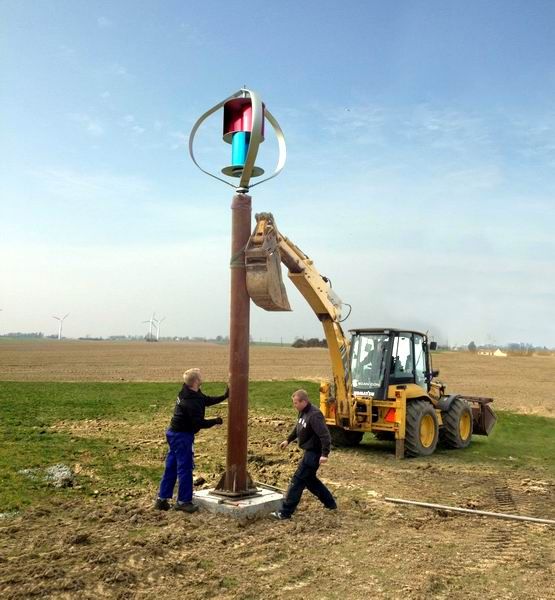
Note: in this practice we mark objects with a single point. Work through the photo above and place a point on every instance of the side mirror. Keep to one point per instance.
(433, 346)
(435, 373)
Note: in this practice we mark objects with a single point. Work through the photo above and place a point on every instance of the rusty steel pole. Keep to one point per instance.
(236, 481)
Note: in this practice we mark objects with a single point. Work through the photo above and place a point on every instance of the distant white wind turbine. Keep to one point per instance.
(152, 320)
(157, 323)
(61, 319)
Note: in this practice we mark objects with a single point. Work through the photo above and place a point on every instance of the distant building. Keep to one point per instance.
(497, 352)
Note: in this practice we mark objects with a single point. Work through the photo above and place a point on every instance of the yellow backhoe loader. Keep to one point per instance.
(383, 379)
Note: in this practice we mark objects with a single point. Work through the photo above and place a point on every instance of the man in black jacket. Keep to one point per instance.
(188, 419)
(314, 438)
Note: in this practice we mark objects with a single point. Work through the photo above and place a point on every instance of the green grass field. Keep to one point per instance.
(29, 411)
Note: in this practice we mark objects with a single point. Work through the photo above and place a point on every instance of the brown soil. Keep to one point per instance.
(112, 545)
(523, 384)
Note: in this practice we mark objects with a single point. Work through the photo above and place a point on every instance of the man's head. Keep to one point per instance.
(192, 378)
(300, 399)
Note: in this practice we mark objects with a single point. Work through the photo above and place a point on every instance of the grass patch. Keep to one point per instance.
(29, 410)
(517, 441)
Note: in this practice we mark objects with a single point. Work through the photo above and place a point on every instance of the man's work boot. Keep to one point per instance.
(279, 516)
(187, 507)
(162, 504)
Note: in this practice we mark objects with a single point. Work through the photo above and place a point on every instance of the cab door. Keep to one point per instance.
(420, 363)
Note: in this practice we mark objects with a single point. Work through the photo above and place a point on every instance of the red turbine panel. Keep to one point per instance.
(238, 117)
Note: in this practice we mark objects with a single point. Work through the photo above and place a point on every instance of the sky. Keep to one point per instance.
(420, 173)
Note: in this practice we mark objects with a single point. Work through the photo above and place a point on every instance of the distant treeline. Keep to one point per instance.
(19, 334)
(515, 349)
(310, 343)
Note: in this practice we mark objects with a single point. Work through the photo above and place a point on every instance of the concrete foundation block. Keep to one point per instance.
(252, 507)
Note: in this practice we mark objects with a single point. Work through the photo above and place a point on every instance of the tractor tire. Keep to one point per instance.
(385, 436)
(457, 425)
(343, 438)
(422, 428)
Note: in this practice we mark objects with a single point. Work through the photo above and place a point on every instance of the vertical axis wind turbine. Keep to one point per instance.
(61, 319)
(244, 115)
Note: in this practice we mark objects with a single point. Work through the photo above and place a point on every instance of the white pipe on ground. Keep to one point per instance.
(483, 513)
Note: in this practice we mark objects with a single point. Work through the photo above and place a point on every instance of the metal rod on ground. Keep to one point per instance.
(483, 513)
(235, 481)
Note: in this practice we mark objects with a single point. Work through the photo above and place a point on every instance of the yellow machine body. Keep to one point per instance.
(415, 415)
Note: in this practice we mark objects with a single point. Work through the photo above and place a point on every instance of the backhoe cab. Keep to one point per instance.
(383, 380)
(395, 396)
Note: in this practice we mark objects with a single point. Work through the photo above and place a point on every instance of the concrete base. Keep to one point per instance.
(253, 507)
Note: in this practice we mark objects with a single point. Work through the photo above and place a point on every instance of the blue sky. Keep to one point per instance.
(420, 173)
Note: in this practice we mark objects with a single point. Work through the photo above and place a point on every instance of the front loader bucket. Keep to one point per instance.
(263, 265)
(483, 416)
(484, 419)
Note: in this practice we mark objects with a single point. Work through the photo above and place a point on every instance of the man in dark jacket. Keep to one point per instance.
(188, 419)
(314, 438)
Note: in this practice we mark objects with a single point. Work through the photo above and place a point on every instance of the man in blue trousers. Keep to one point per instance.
(188, 419)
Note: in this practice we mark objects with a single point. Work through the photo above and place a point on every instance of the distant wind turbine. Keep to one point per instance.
(157, 322)
(61, 319)
(152, 320)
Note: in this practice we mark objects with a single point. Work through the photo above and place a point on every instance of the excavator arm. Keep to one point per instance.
(266, 249)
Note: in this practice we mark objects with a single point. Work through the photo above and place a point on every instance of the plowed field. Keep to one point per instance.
(521, 384)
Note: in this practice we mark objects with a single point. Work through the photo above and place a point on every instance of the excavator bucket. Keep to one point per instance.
(263, 265)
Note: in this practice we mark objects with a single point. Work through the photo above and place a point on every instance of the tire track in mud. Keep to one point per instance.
(505, 541)
(513, 542)
(497, 544)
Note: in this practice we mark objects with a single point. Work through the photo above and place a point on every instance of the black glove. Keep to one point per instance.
(219, 420)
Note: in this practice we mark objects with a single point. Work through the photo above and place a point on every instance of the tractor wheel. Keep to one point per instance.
(421, 431)
(457, 424)
(342, 437)
(385, 436)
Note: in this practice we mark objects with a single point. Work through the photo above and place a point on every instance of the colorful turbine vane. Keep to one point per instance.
(244, 117)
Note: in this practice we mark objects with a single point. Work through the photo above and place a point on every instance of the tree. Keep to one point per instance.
(472, 347)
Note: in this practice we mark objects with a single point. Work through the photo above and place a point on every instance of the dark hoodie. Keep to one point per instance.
(189, 410)
(311, 431)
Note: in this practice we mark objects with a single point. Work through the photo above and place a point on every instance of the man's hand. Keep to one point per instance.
(219, 420)
(284, 444)
(323, 460)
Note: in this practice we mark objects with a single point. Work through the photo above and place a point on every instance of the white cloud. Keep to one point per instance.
(92, 125)
(83, 187)
(119, 70)
(180, 140)
(104, 23)
(129, 122)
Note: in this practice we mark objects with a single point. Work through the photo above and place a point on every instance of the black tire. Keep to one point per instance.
(457, 425)
(385, 436)
(341, 437)
(422, 428)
